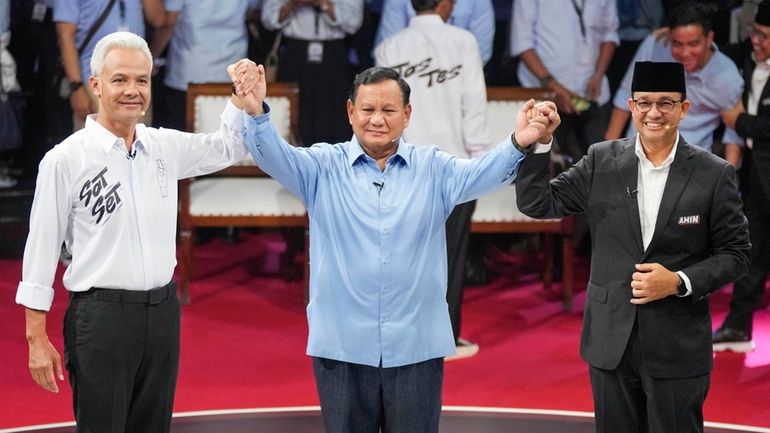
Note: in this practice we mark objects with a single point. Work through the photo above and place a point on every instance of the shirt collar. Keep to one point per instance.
(356, 152)
(426, 19)
(761, 65)
(106, 140)
(643, 158)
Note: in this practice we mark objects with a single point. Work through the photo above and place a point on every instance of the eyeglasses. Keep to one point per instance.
(756, 33)
(664, 106)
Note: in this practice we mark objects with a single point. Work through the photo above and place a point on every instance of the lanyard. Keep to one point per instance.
(579, 11)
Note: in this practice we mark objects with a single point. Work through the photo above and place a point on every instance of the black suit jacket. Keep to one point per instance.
(757, 127)
(700, 230)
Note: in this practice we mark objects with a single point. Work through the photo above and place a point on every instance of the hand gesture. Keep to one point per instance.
(536, 122)
(652, 281)
(250, 85)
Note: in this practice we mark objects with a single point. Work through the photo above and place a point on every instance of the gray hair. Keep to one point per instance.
(117, 40)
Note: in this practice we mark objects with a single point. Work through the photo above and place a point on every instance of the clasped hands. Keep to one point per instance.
(250, 85)
(536, 122)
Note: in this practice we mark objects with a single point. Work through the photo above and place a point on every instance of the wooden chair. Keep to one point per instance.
(497, 212)
(241, 195)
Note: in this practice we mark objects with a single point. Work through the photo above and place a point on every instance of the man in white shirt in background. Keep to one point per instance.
(443, 66)
(110, 192)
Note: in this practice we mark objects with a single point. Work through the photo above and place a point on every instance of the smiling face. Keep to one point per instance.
(123, 87)
(760, 42)
(378, 117)
(691, 47)
(656, 126)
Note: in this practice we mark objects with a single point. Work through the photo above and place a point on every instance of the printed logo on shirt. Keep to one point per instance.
(425, 70)
(102, 197)
(162, 177)
(690, 220)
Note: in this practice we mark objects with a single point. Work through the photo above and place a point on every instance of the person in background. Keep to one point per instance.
(476, 16)
(204, 37)
(314, 54)
(442, 65)
(75, 19)
(714, 84)
(110, 192)
(668, 230)
(379, 326)
(753, 124)
(566, 47)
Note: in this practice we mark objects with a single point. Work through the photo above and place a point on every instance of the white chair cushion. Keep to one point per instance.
(237, 196)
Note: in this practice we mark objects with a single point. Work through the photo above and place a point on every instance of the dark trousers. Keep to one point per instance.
(169, 107)
(323, 89)
(362, 399)
(458, 232)
(748, 291)
(578, 131)
(628, 400)
(121, 350)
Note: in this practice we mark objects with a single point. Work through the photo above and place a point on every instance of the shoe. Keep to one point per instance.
(464, 349)
(732, 339)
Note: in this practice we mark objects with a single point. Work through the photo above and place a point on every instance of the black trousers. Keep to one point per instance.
(748, 291)
(121, 350)
(323, 89)
(628, 400)
(458, 233)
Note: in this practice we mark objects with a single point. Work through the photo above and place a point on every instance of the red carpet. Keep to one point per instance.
(243, 344)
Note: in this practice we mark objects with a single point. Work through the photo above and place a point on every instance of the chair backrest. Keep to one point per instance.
(205, 102)
(503, 103)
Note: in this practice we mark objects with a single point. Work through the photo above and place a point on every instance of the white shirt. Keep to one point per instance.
(651, 182)
(758, 81)
(306, 23)
(443, 67)
(116, 214)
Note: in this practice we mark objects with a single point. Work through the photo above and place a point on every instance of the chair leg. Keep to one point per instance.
(568, 274)
(548, 255)
(186, 265)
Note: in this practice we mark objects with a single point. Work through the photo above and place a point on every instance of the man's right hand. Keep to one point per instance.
(250, 83)
(44, 361)
(81, 103)
(535, 122)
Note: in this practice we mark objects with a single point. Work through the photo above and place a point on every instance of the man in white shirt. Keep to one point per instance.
(110, 192)
(443, 67)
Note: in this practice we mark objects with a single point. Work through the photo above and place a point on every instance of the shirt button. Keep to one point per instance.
(387, 260)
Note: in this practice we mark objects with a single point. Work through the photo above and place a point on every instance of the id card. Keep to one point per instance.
(315, 52)
(38, 12)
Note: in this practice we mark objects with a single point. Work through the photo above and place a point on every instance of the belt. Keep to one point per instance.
(120, 296)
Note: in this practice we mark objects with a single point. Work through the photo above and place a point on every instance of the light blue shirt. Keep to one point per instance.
(552, 29)
(5, 16)
(714, 88)
(84, 14)
(208, 36)
(476, 16)
(378, 271)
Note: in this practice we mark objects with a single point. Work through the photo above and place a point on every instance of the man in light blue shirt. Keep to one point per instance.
(714, 84)
(203, 37)
(74, 20)
(566, 46)
(476, 16)
(378, 318)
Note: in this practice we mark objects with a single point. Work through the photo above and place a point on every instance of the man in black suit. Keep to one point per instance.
(667, 229)
(753, 58)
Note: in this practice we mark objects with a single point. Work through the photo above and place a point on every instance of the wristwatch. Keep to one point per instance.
(545, 81)
(74, 85)
(681, 289)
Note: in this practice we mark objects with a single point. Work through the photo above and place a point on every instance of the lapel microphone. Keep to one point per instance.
(630, 192)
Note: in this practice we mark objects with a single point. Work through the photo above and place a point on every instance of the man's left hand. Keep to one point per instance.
(652, 281)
